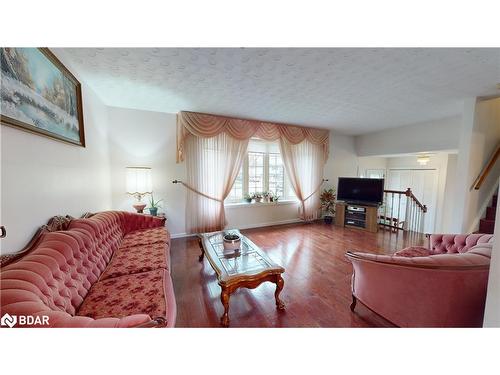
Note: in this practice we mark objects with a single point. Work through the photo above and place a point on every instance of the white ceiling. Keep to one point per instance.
(352, 90)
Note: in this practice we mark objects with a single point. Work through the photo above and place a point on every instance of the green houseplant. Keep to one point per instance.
(273, 197)
(327, 198)
(257, 197)
(267, 196)
(154, 205)
(247, 198)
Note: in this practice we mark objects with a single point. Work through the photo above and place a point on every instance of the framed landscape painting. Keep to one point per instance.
(38, 94)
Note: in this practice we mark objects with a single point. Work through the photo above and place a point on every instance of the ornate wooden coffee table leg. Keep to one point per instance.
(224, 297)
(353, 304)
(200, 243)
(280, 283)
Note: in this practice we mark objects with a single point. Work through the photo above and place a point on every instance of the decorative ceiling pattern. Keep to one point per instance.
(351, 90)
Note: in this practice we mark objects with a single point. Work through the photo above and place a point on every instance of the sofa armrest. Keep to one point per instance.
(155, 323)
(44, 318)
(133, 221)
(468, 261)
(447, 290)
(62, 319)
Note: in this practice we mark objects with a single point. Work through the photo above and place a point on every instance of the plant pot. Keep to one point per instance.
(258, 200)
(153, 211)
(328, 219)
(231, 242)
(248, 200)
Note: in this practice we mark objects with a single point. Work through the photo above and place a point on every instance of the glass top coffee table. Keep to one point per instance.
(247, 267)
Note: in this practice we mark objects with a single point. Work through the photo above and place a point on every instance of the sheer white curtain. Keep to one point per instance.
(304, 164)
(212, 166)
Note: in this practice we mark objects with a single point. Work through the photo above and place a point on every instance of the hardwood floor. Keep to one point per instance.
(317, 278)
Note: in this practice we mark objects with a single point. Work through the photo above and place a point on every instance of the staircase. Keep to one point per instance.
(487, 225)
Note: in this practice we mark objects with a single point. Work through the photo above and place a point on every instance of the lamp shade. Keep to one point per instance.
(139, 180)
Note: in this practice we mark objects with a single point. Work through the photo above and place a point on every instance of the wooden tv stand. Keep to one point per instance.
(357, 216)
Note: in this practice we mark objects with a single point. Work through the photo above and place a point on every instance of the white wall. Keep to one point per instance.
(257, 215)
(371, 162)
(485, 138)
(42, 177)
(449, 195)
(144, 138)
(439, 135)
(480, 135)
(342, 161)
(492, 309)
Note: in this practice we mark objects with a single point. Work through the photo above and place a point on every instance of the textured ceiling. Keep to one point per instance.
(352, 90)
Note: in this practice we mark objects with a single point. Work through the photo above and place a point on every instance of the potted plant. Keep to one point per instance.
(257, 197)
(154, 205)
(273, 198)
(247, 198)
(327, 199)
(267, 196)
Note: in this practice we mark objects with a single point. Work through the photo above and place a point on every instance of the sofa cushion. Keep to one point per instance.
(145, 237)
(141, 293)
(413, 251)
(483, 249)
(138, 259)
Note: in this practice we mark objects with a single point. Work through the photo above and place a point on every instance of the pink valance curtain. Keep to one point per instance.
(206, 126)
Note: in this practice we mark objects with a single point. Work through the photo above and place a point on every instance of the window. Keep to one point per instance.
(255, 172)
(262, 171)
(237, 190)
(276, 175)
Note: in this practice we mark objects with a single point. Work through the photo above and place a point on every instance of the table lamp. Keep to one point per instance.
(139, 183)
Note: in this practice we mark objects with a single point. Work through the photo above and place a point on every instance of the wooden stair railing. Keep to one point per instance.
(402, 211)
(487, 168)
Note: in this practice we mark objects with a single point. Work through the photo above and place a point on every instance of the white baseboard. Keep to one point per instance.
(250, 226)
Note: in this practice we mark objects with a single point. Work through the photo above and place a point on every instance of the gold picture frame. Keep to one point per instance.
(40, 95)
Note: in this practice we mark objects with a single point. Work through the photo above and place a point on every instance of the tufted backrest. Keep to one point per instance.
(105, 228)
(56, 275)
(132, 221)
(457, 243)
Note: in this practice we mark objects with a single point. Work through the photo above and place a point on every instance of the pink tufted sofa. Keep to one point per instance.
(109, 270)
(442, 285)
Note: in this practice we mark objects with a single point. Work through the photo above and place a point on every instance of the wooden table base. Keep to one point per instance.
(226, 292)
(249, 283)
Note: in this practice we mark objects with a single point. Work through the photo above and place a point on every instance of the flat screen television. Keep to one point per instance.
(361, 190)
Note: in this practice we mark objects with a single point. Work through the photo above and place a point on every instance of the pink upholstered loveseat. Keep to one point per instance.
(109, 270)
(442, 285)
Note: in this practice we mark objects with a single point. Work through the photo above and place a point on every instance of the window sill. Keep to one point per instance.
(261, 204)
